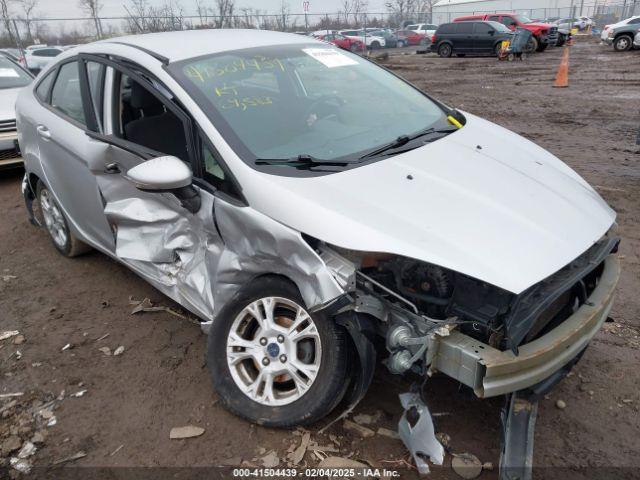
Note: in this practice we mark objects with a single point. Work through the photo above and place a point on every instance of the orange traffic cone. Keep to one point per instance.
(562, 78)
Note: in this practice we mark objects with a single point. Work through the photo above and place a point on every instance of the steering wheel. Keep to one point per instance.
(323, 107)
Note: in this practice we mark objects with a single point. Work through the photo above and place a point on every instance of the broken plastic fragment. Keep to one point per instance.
(417, 433)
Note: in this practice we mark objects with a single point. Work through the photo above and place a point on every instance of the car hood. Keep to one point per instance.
(8, 103)
(482, 201)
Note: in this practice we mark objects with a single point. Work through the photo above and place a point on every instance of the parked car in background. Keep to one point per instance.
(463, 38)
(346, 43)
(544, 34)
(636, 42)
(426, 29)
(37, 58)
(390, 39)
(604, 35)
(409, 37)
(371, 41)
(13, 77)
(622, 35)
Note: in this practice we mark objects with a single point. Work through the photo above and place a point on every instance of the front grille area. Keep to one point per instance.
(7, 126)
(8, 154)
(547, 304)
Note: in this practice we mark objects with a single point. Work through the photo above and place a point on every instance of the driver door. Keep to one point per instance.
(165, 236)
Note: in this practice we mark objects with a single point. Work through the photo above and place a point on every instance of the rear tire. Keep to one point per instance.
(622, 43)
(542, 47)
(445, 50)
(238, 372)
(375, 45)
(57, 226)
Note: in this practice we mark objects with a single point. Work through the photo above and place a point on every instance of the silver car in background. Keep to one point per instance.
(12, 79)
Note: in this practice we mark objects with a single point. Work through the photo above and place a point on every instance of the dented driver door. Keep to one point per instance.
(156, 233)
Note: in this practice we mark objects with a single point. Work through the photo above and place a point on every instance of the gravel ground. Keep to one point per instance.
(132, 400)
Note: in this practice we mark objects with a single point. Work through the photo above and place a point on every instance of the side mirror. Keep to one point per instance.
(160, 173)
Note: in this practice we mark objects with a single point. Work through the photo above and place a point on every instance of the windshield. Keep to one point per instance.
(316, 100)
(12, 76)
(522, 19)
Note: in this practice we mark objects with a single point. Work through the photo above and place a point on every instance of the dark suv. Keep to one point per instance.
(462, 38)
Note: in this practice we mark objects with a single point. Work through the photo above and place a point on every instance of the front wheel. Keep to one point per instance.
(56, 223)
(274, 363)
(375, 45)
(542, 47)
(622, 43)
(445, 50)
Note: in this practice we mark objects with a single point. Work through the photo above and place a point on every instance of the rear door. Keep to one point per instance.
(67, 154)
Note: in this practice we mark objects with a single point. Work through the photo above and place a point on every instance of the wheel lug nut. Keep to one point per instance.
(265, 361)
(280, 339)
(263, 341)
(283, 358)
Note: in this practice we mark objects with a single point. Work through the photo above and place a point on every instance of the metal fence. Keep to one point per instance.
(20, 32)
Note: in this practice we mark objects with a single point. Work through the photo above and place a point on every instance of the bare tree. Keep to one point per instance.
(282, 19)
(346, 10)
(92, 9)
(27, 7)
(6, 19)
(224, 12)
(203, 11)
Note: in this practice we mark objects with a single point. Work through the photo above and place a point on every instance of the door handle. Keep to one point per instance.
(112, 168)
(43, 132)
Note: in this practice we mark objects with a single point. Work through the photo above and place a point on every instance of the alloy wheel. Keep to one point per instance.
(273, 351)
(53, 219)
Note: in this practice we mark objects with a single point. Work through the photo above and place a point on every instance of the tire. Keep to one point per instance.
(375, 45)
(532, 45)
(354, 48)
(400, 44)
(445, 50)
(497, 49)
(622, 43)
(561, 41)
(292, 401)
(542, 47)
(57, 226)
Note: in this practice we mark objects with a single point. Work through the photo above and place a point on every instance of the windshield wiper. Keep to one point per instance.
(402, 140)
(303, 161)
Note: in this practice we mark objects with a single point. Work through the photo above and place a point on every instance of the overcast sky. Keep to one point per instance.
(114, 8)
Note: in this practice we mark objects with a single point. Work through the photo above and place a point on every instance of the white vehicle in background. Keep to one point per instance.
(37, 58)
(627, 21)
(12, 79)
(371, 41)
(427, 29)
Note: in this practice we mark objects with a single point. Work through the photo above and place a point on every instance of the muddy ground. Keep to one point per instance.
(160, 381)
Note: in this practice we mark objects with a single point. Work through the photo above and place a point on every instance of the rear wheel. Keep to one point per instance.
(445, 50)
(354, 48)
(622, 43)
(542, 47)
(56, 223)
(375, 45)
(273, 362)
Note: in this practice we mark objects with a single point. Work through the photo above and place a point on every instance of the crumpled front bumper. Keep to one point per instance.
(491, 372)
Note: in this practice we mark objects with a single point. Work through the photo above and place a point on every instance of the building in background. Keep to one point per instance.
(447, 10)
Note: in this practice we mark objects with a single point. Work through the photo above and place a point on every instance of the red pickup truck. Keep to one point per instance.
(544, 34)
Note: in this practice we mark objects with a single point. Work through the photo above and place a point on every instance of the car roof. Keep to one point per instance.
(185, 44)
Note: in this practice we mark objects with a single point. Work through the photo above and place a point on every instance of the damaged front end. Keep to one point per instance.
(489, 339)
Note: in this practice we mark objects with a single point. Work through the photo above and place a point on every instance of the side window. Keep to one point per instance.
(483, 29)
(95, 73)
(464, 27)
(447, 28)
(494, 18)
(65, 96)
(635, 21)
(141, 118)
(508, 21)
(213, 172)
(42, 90)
